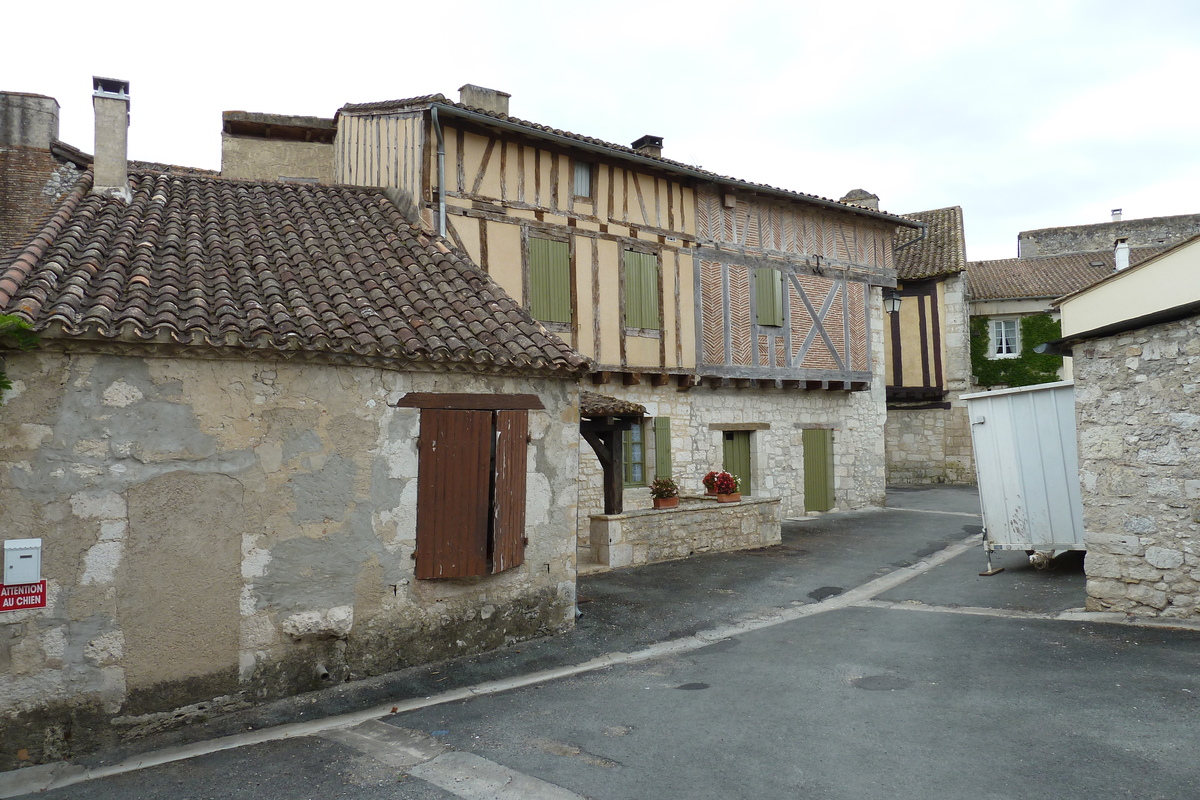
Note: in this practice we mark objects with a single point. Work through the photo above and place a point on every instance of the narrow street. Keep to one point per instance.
(863, 658)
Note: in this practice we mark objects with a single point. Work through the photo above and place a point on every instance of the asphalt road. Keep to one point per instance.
(863, 658)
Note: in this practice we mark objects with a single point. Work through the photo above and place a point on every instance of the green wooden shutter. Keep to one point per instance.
(818, 469)
(768, 296)
(549, 280)
(662, 447)
(737, 457)
(641, 290)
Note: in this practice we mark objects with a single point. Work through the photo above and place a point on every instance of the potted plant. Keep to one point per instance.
(710, 482)
(728, 487)
(665, 493)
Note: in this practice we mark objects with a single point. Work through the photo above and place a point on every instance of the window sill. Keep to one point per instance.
(648, 333)
(557, 327)
(1001, 356)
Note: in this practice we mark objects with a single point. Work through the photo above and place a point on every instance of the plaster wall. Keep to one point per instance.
(218, 533)
(252, 159)
(1137, 406)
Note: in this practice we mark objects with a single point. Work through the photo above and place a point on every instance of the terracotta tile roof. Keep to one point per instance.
(273, 269)
(386, 106)
(599, 405)
(941, 252)
(1044, 276)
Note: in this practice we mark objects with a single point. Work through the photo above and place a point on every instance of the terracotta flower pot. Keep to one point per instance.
(736, 497)
(666, 502)
(710, 492)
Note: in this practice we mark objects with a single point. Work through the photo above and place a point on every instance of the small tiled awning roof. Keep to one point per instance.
(941, 252)
(1044, 276)
(599, 405)
(268, 269)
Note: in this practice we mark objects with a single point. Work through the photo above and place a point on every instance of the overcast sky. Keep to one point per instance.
(1026, 114)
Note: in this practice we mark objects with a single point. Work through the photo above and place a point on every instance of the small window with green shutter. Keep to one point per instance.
(641, 290)
(768, 296)
(549, 280)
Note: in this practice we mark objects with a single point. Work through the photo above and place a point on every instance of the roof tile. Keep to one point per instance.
(198, 259)
(1044, 276)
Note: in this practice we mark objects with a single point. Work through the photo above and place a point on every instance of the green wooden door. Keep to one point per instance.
(818, 469)
(736, 458)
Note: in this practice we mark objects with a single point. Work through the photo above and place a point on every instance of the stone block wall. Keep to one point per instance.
(1137, 401)
(1148, 232)
(699, 525)
(219, 533)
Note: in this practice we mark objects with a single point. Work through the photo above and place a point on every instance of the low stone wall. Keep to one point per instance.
(699, 525)
(1139, 450)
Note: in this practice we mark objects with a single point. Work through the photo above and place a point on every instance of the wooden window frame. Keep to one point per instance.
(627, 454)
(994, 341)
(576, 166)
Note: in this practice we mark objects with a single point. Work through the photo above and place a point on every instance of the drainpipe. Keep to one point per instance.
(924, 232)
(441, 186)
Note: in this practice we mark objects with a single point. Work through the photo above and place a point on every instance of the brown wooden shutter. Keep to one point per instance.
(453, 487)
(508, 513)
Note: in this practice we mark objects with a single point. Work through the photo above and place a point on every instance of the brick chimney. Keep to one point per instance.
(28, 126)
(649, 145)
(110, 99)
(481, 97)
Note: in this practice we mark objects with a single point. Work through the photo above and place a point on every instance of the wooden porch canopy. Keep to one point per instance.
(602, 420)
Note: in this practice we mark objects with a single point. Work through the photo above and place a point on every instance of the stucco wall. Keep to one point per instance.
(217, 533)
(1137, 403)
(249, 158)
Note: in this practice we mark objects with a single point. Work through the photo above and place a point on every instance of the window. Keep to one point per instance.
(471, 492)
(1006, 338)
(768, 296)
(549, 280)
(583, 179)
(641, 290)
(635, 455)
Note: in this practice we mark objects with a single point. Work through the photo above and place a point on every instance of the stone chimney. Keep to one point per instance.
(1121, 254)
(649, 146)
(1116, 215)
(861, 198)
(110, 99)
(483, 98)
(28, 120)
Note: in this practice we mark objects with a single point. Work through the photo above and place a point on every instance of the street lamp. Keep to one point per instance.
(891, 301)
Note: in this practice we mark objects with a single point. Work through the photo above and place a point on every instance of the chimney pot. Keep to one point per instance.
(483, 98)
(1116, 215)
(649, 145)
(110, 100)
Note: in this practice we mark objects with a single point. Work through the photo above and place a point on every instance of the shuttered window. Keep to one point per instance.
(662, 447)
(549, 280)
(768, 296)
(641, 290)
(471, 492)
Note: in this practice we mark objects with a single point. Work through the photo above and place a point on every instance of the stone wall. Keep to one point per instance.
(1148, 232)
(1137, 401)
(699, 525)
(218, 533)
(254, 159)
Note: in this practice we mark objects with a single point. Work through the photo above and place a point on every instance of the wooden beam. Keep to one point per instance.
(632, 378)
(470, 402)
(659, 379)
(601, 378)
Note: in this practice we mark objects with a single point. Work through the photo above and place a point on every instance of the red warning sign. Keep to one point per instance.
(20, 596)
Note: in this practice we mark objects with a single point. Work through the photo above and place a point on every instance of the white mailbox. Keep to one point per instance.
(22, 561)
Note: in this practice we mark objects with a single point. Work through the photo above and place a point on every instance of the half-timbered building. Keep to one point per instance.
(745, 319)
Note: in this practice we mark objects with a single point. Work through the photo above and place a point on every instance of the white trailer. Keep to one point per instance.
(1027, 463)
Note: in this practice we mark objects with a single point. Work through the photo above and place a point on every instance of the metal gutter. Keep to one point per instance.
(441, 169)
(567, 141)
(920, 237)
